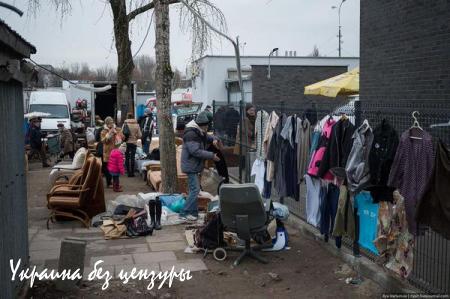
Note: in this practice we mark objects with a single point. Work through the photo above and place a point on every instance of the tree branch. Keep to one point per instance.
(145, 8)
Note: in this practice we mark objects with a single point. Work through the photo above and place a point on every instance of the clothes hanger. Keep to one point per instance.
(415, 125)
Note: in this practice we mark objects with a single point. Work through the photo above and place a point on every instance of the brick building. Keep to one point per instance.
(215, 78)
(405, 50)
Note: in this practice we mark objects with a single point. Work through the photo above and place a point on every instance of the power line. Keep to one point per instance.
(104, 88)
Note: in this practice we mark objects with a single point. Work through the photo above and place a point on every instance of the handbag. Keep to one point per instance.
(126, 132)
(136, 224)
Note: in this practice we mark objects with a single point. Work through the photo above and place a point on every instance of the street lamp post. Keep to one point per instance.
(268, 67)
(339, 15)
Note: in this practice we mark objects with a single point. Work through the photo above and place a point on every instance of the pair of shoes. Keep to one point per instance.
(45, 165)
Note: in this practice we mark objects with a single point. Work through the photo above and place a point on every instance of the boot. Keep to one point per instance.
(152, 207)
(117, 187)
(158, 212)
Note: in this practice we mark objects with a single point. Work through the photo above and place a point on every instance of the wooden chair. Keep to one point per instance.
(77, 178)
(71, 200)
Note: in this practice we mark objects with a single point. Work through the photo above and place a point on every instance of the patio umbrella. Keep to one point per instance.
(36, 114)
(343, 84)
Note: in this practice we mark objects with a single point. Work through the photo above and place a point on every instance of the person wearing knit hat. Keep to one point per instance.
(193, 156)
(146, 124)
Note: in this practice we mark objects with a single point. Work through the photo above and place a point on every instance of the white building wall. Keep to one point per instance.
(212, 72)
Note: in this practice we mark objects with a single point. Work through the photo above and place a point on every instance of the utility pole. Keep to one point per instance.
(340, 31)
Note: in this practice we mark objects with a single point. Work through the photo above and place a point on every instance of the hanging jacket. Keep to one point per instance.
(270, 129)
(434, 207)
(382, 153)
(303, 141)
(275, 154)
(411, 171)
(262, 118)
(336, 155)
(290, 158)
(318, 155)
(357, 168)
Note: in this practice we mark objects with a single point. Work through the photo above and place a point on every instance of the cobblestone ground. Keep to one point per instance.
(304, 271)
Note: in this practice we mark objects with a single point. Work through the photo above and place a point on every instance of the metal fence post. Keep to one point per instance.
(358, 113)
(241, 116)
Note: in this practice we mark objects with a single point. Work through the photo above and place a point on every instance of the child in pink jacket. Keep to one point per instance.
(115, 165)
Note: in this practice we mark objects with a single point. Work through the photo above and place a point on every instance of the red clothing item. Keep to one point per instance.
(115, 163)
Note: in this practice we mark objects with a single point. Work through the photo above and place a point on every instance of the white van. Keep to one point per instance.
(52, 102)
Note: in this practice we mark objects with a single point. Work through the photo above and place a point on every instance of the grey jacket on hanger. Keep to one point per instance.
(357, 167)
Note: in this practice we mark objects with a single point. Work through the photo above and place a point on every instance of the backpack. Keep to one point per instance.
(210, 236)
(126, 132)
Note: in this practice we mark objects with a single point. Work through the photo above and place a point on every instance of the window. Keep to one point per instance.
(55, 111)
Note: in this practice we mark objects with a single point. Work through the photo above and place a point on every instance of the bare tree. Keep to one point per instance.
(315, 52)
(144, 72)
(201, 39)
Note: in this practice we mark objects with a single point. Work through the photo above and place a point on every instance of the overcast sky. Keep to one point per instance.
(86, 35)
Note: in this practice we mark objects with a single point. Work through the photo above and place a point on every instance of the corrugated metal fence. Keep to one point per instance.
(13, 197)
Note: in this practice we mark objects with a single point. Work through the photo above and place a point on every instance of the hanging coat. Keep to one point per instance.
(318, 155)
(270, 129)
(384, 146)
(434, 207)
(276, 154)
(303, 141)
(290, 158)
(411, 171)
(357, 168)
(336, 155)
(262, 118)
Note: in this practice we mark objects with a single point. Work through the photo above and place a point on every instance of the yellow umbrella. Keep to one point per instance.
(343, 84)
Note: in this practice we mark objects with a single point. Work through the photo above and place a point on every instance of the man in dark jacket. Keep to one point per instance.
(36, 141)
(193, 156)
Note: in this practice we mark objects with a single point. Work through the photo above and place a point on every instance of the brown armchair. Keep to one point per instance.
(71, 201)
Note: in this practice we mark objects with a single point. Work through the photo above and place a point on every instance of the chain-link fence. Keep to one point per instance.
(431, 269)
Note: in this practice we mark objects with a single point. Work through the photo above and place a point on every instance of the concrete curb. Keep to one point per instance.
(388, 281)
